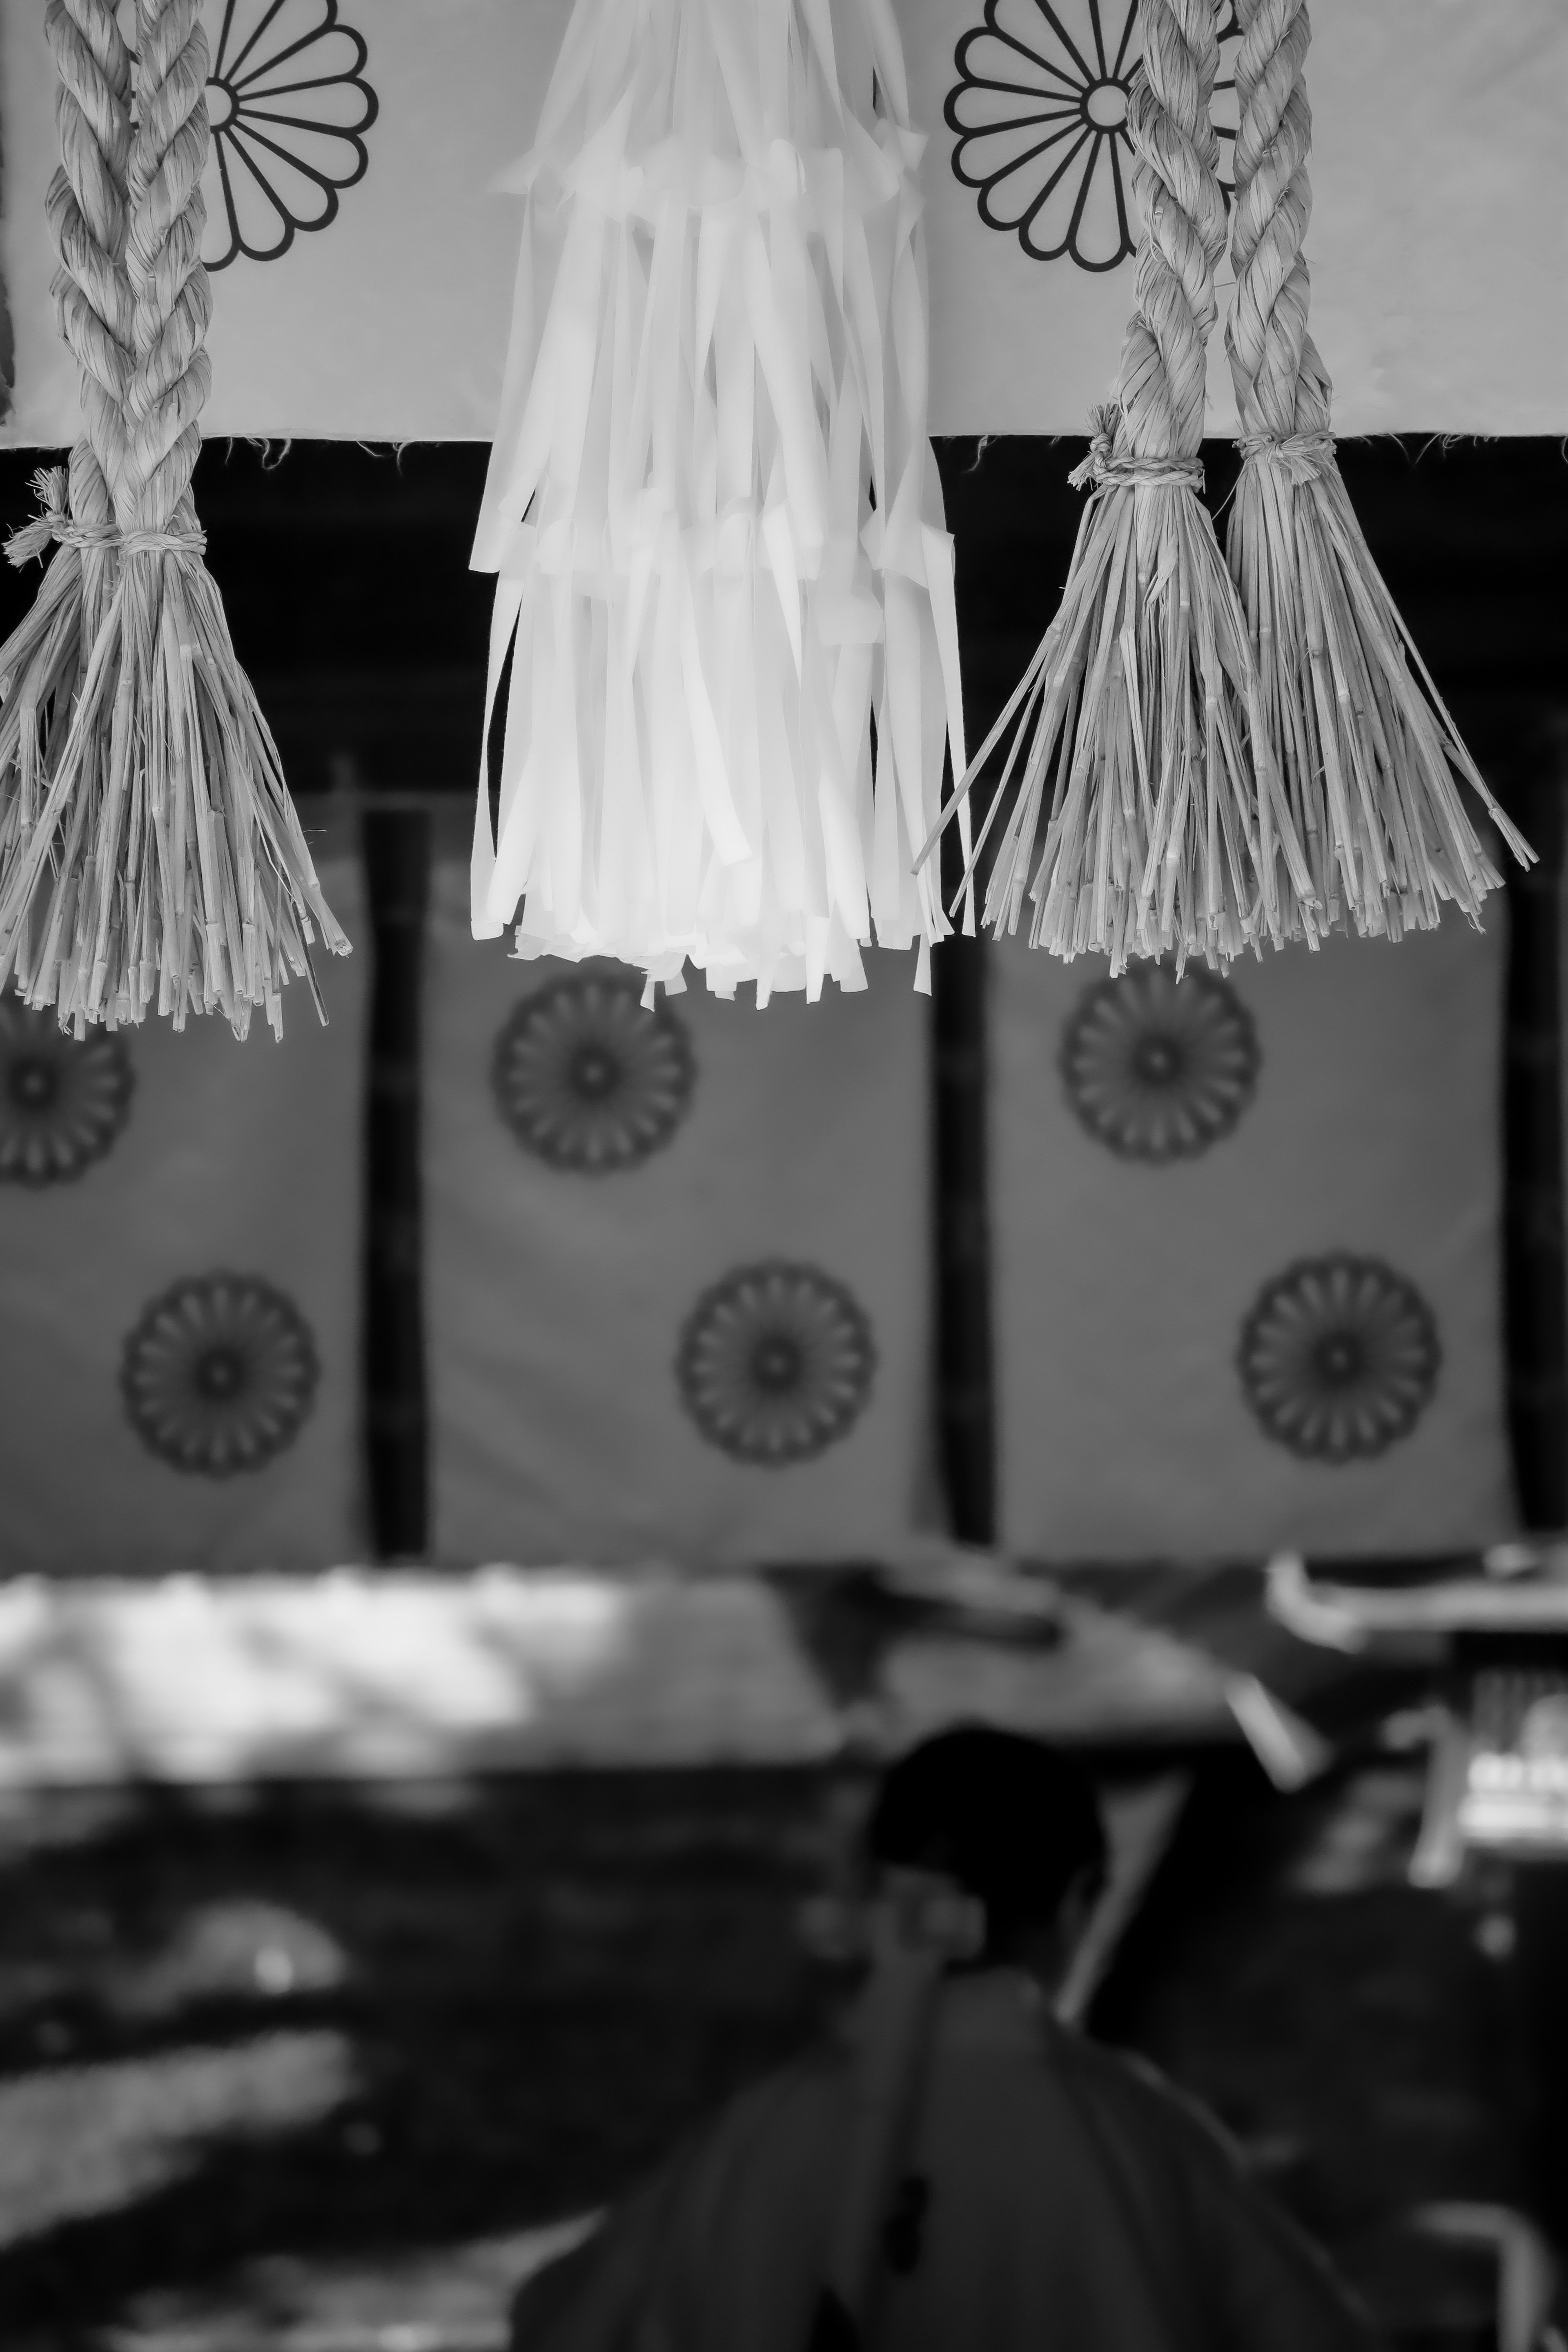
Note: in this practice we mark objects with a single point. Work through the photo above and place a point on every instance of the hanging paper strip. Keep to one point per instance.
(725, 588)
(179, 1259)
(677, 1294)
(368, 265)
(1247, 1252)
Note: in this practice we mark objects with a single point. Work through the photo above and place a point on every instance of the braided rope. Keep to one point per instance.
(1146, 820)
(1283, 391)
(1369, 753)
(86, 208)
(1175, 185)
(149, 851)
(173, 301)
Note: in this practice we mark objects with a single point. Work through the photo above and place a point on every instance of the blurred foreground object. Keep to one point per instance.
(148, 851)
(1498, 1775)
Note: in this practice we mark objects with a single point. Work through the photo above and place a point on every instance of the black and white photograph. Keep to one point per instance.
(784, 1192)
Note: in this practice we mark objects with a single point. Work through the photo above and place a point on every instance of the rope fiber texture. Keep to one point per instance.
(148, 847)
(1369, 758)
(1175, 187)
(1139, 712)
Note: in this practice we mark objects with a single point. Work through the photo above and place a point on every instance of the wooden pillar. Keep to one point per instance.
(396, 842)
(1540, 2011)
(966, 1421)
(1535, 1272)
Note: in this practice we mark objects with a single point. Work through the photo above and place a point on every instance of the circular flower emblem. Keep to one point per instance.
(62, 1100)
(590, 1079)
(1339, 1357)
(1158, 1068)
(289, 109)
(1040, 110)
(220, 1374)
(775, 1363)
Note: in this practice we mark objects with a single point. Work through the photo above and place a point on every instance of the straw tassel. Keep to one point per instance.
(713, 508)
(1134, 727)
(148, 851)
(1369, 752)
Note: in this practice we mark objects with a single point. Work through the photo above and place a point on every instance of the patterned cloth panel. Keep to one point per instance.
(1247, 1251)
(677, 1262)
(179, 1262)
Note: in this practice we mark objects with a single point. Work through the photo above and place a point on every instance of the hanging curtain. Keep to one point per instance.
(179, 1259)
(677, 1289)
(1246, 1248)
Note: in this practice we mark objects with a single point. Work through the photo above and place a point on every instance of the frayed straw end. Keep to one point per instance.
(1366, 749)
(31, 540)
(149, 853)
(1135, 805)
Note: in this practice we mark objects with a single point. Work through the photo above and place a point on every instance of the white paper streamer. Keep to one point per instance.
(713, 508)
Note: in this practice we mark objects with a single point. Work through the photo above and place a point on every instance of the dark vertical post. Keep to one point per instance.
(966, 1421)
(1540, 2024)
(1535, 1276)
(397, 876)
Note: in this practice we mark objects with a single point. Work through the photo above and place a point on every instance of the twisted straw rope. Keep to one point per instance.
(130, 295)
(172, 299)
(143, 815)
(1175, 183)
(1368, 746)
(86, 208)
(1282, 389)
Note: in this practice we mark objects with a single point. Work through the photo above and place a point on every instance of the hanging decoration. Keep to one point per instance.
(148, 851)
(725, 584)
(1367, 749)
(1165, 829)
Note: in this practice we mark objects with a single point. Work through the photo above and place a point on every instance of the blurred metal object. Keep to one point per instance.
(1140, 1822)
(1290, 1750)
(1527, 2273)
(1352, 1617)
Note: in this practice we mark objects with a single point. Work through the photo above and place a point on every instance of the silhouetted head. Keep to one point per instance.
(1013, 1822)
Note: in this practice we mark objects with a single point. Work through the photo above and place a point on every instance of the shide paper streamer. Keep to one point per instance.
(148, 851)
(725, 581)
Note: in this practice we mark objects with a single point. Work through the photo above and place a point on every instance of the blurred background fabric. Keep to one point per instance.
(1246, 1248)
(179, 1257)
(677, 1262)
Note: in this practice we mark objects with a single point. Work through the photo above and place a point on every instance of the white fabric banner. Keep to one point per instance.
(1247, 1253)
(178, 1273)
(367, 267)
(677, 1292)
